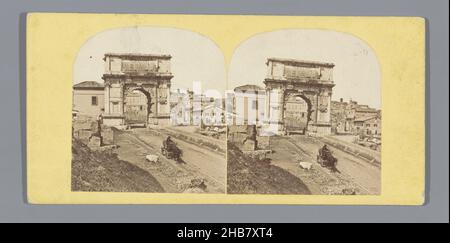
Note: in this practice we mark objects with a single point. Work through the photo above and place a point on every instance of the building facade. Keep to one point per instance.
(181, 108)
(88, 99)
(213, 114)
(248, 105)
(369, 126)
(346, 114)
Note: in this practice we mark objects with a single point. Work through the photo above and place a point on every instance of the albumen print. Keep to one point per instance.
(157, 110)
(144, 108)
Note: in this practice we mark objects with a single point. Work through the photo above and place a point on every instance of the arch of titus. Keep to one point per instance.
(137, 89)
(306, 81)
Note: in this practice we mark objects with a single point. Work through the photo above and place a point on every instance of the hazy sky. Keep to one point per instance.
(194, 57)
(356, 74)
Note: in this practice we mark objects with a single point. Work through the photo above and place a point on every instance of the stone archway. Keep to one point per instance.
(312, 81)
(137, 106)
(297, 111)
(147, 74)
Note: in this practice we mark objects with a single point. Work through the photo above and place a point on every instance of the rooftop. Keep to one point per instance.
(248, 87)
(89, 84)
(299, 62)
(365, 109)
(365, 118)
(138, 55)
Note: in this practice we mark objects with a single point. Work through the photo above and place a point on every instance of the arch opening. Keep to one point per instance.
(297, 112)
(137, 106)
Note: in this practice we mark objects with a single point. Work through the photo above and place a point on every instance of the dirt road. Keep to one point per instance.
(355, 173)
(199, 162)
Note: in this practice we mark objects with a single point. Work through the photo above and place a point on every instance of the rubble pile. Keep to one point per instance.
(197, 185)
(90, 132)
(215, 132)
(246, 138)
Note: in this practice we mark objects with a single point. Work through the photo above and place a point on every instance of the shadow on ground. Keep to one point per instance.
(102, 171)
(251, 176)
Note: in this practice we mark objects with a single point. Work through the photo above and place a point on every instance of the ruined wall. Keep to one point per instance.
(248, 138)
(86, 130)
(244, 136)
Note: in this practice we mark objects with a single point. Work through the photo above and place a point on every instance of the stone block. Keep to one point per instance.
(94, 127)
(237, 137)
(152, 158)
(95, 142)
(237, 129)
(248, 145)
(107, 135)
(113, 121)
(263, 142)
(83, 135)
(198, 183)
(305, 165)
(81, 124)
(260, 155)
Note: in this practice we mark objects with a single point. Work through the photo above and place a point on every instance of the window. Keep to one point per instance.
(375, 125)
(94, 100)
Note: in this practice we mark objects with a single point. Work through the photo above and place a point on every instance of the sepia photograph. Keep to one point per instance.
(298, 112)
(306, 115)
(212, 112)
(145, 104)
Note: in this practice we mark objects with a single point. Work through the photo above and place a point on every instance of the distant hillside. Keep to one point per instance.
(103, 171)
(249, 176)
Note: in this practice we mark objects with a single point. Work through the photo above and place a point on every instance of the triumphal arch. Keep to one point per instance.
(137, 89)
(298, 96)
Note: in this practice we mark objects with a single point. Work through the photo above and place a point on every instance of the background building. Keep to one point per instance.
(370, 125)
(181, 107)
(249, 105)
(88, 98)
(347, 117)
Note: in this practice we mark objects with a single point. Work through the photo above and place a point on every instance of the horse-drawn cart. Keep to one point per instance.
(326, 159)
(171, 151)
